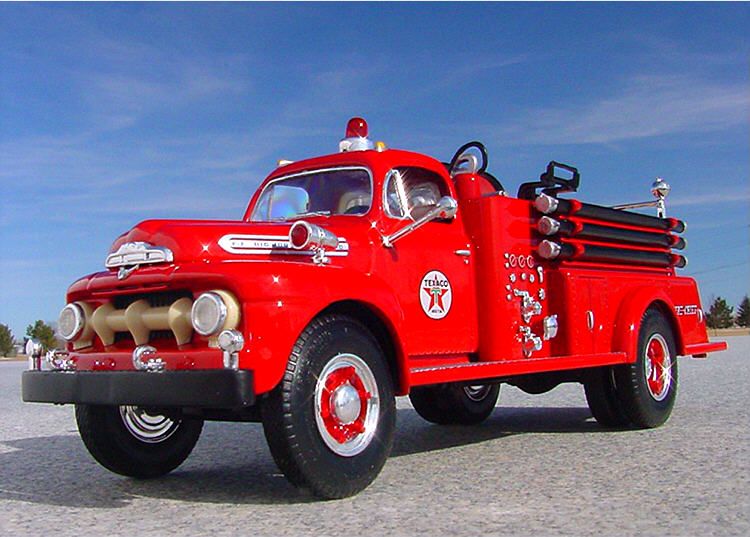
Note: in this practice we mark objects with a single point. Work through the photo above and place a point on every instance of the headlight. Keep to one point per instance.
(208, 314)
(71, 321)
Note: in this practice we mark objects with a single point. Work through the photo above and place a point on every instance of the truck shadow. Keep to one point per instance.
(231, 464)
(414, 435)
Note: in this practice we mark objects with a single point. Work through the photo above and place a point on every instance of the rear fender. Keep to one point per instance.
(628, 320)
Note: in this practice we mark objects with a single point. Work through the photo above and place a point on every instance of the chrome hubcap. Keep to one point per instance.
(657, 366)
(478, 392)
(149, 428)
(347, 406)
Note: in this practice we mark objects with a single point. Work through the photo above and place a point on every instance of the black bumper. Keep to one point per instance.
(216, 388)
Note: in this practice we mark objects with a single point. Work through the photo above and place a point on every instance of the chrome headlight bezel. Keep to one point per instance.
(78, 320)
(220, 314)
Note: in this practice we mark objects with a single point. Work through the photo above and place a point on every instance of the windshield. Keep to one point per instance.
(346, 191)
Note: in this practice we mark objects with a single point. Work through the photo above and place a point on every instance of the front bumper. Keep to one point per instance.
(215, 388)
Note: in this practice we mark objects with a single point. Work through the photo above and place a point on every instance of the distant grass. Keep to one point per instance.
(729, 332)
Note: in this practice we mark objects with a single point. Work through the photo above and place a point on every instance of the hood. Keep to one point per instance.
(203, 241)
(199, 240)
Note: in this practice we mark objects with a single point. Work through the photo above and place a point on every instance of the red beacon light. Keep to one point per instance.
(356, 136)
(356, 128)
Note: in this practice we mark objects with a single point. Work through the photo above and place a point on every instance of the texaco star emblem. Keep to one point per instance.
(435, 294)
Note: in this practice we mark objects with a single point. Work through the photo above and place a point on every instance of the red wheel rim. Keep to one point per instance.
(343, 429)
(658, 367)
(346, 405)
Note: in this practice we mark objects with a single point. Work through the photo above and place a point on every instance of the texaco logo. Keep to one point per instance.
(435, 294)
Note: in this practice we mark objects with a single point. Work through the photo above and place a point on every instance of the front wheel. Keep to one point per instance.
(331, 420)
(455, 404)
(131, 441)
(647, 388)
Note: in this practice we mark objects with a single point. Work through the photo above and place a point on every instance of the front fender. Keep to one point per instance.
(274, 321)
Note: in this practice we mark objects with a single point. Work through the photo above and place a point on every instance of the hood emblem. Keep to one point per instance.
(124, 272)
(131, 255)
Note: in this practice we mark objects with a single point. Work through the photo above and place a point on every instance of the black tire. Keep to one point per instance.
(110, 441)
(602, 398)
(455, 404)
(648, 403)
(301, 435)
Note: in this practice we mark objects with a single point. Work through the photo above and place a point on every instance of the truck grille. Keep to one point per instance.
(145, 317)
(155, 300)
(155, 335)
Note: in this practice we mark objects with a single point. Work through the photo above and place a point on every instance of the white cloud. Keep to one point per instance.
(710, 198)
(647, 106)
(119, 98)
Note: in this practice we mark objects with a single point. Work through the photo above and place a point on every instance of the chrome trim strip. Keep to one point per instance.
(272, 244)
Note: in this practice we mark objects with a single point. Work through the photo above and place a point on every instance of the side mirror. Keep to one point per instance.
(445, 209)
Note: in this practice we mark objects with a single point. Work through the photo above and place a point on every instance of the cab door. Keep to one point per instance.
(431, 268)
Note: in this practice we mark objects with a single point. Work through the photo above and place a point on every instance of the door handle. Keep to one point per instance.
(464, 253)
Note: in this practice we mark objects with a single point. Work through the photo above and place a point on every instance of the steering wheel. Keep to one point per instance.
(482, 170)
(461, 150)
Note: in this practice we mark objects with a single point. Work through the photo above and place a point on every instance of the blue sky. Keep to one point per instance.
(113, 113)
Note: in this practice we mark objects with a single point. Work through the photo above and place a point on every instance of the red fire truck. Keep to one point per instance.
(359, 276)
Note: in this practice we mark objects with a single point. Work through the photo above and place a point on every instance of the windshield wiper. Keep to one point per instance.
(310, 213)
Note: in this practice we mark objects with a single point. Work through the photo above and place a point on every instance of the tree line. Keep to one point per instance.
(40, 331)
(722, 315)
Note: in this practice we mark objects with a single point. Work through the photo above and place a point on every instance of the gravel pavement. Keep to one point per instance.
(539, 465)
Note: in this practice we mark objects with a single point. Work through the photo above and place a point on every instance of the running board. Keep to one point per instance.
(509, 368)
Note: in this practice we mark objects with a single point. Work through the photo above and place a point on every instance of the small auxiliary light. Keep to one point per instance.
(298, 236)
(306, 236)
(356, 136)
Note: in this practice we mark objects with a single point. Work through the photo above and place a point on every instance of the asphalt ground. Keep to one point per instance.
(539, 466)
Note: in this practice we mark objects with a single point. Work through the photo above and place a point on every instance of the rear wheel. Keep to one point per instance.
(131, 441)
(455, 403)
(647, 388)
(331, 420)
(602, 398)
